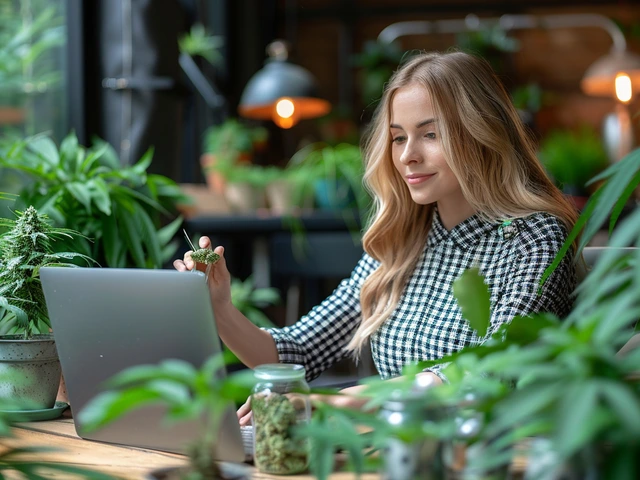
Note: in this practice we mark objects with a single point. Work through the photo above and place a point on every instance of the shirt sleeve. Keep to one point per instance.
(521, 294)
(318, 339)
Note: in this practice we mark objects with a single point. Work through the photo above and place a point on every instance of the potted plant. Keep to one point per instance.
(188, 393)
(27, 347)
(198, 42)
(249, 300)
(119, 209)
(572, 158)
(12, 461)
(334, 175)
(227, 144)
(244, 183)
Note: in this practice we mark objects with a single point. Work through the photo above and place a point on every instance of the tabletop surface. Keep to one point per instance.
(118, 460)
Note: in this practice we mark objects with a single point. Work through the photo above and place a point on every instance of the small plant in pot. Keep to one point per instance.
(229, 143)
(334, 175)
(244, 183)
(25, 247)
(572, 158)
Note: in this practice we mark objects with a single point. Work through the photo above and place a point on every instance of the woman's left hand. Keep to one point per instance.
(346, 398)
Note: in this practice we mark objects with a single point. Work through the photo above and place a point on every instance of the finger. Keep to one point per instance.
(244, 408)
(220, 251)
(188, 261)
(204, 242)
(246, 420)
(179, 265)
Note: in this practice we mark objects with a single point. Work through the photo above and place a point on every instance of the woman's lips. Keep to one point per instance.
(415, 179)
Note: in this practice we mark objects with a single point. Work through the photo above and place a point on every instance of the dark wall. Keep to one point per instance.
(160, 108)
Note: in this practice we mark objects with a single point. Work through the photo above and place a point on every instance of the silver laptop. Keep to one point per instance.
(107, 319)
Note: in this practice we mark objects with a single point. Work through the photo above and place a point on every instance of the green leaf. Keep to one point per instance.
(109, 406)
(524, 330)
(621, 463)
(46, 149)
(622, 201)
(612, 190)
(576, 407)
(100, 194)
(625, 403)
(126, 191)
(141, 166)
(81, 193)
(149, 235)
(265, 296)
(523, 405)
(113, 245)
(166, 233)
(322, 458)
(474, 299)
(108, 156)
(573, 235)
(175, 370)
(92, 156)
(69, 149)
(132, 237)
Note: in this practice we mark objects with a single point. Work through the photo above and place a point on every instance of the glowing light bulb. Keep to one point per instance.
(284, 113)
(623, 87)
(285, 108)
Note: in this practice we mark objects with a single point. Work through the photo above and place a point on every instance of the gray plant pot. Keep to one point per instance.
(29, 371)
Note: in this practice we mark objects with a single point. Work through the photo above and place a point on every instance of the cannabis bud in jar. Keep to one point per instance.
(279, 403)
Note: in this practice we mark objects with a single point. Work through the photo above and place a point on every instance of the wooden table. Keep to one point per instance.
(120, 461)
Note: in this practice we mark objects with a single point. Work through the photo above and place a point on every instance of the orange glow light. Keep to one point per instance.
(623, 87)
(284, 113)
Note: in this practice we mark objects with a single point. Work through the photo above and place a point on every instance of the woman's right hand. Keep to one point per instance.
(219, 276)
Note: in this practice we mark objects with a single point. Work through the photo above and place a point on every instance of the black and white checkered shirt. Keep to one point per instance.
(427, 323)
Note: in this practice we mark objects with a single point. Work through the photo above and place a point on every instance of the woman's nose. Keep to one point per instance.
(410, 154)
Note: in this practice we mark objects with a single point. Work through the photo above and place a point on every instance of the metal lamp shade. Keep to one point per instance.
(599, 79)
(281, 79)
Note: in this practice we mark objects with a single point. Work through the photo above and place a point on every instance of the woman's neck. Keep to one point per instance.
(453, 213)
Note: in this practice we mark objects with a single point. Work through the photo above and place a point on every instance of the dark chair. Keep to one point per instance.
(328, 258)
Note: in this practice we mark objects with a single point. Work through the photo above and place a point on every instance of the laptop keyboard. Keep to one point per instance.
(247, 440)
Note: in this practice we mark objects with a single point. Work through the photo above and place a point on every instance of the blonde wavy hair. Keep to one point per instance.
(487, 147)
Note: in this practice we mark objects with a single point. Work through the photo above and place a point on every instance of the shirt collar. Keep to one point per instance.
(465, 234)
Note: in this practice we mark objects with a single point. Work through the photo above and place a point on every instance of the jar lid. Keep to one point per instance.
(279, 371)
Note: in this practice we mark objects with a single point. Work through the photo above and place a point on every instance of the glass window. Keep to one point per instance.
(32, 62)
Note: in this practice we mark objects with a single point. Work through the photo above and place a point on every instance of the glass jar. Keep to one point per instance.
(467, 449)
(411, 459)
(280, 401)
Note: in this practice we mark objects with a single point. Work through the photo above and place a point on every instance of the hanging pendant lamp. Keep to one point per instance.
(282, 91)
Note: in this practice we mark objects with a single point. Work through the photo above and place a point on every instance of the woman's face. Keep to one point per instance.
(417, 151)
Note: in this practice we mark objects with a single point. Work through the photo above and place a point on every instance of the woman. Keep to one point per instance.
(456, 184)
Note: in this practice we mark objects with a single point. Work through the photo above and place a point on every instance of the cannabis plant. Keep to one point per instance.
(25, 248)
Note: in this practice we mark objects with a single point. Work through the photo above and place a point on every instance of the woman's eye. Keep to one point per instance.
(431, 135)
(398, 139)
